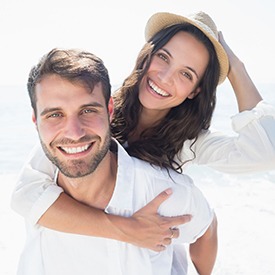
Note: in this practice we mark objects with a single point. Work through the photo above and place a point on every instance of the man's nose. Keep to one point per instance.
(74, 128)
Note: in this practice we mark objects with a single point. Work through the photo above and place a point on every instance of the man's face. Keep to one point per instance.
(73, 125)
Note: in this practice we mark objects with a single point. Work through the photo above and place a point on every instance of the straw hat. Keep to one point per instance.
(202, 21)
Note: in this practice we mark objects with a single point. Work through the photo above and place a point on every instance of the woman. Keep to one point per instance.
(163, 112)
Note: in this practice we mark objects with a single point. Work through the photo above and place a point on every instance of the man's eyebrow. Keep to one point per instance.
(189, 68)
(58, 109)
(49, 110)
(93, 104)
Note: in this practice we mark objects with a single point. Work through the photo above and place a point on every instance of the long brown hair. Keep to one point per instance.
(161, 143)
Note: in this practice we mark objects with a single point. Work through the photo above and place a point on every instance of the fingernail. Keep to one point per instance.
(168, 191)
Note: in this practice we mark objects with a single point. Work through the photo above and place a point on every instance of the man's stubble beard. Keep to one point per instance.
(79, 168)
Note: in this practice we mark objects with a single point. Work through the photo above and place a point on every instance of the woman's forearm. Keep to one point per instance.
(70, 216)
(246, 92)
(145, 228)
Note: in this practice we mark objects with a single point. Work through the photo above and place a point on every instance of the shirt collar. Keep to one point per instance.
(123, 193)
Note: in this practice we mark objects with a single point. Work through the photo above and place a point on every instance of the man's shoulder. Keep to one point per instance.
(147, 172)
(154, 172)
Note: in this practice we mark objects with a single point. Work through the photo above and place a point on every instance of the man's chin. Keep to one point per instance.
(76, 170)
(75, 175)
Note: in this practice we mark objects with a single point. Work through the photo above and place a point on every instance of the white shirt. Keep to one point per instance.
(251, 149)
(49, 252)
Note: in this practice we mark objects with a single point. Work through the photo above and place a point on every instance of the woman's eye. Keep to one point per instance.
(187, 75)
(163, 57)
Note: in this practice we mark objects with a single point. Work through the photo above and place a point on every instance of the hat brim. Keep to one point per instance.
(163, 20)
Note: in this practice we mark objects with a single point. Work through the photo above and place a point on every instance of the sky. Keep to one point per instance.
(114, 30)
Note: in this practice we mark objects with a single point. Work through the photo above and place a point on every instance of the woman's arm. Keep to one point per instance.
(145, 228)
(204, 251)
(39, 200)
(246, 92)
(252, 149)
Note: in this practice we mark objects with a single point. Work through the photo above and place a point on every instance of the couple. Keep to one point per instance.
(161, 114)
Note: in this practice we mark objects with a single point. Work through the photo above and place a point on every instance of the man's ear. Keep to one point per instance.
(194, 93)
(34, 120)
(111, 108)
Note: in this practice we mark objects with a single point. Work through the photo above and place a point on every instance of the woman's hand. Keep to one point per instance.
(146, 228)
(231, 55)
(246, 92)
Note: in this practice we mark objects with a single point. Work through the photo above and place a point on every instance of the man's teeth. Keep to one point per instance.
(75, 150)
(157, 89)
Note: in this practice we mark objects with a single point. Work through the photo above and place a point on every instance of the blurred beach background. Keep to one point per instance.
(245, 205)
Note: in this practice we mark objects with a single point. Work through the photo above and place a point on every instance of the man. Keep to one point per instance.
(70, 97)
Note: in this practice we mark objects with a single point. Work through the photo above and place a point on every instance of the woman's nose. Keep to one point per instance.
(166, 76)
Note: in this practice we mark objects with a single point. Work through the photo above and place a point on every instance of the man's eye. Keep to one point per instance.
(88, 111)
(55, 115)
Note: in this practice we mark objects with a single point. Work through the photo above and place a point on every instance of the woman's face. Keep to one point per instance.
(174, 73)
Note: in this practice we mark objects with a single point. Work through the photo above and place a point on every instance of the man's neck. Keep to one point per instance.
(95, 189)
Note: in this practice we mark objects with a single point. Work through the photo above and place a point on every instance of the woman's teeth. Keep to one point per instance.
(157, 89)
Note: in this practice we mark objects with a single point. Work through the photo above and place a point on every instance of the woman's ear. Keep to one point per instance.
(194, 93)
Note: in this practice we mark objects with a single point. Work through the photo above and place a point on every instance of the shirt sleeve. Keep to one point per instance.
(35, 190)
(251, 149)
(188, 199)
(202, 217)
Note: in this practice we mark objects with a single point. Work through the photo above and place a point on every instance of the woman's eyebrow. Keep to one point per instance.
(193, 70)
